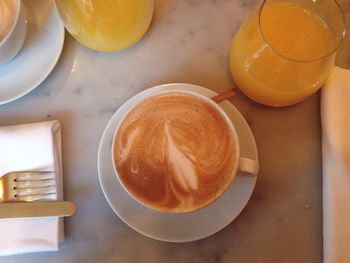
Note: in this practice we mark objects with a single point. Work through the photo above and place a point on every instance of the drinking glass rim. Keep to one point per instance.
(344, 31)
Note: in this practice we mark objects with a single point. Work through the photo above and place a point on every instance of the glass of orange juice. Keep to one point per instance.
(108, 25)
(285, 50)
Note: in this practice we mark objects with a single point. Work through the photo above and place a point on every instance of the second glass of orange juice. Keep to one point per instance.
(285, 50)
(108, 25)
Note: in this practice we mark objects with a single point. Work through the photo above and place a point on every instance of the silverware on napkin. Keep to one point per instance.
(27, 186)
(19, 189)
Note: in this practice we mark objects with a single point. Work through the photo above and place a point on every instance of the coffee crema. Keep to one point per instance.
(7, 17)
(175, 152)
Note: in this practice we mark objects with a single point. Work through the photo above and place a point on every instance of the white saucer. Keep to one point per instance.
(39, 54)
(177, 227)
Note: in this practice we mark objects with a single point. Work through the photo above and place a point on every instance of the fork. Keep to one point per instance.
(27, 186)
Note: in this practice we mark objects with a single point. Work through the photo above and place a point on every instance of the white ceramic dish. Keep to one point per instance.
(39, 54)
(177, 227)
(14, 39)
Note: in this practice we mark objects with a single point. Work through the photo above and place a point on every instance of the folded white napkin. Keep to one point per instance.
(35, 146)
(335, 112)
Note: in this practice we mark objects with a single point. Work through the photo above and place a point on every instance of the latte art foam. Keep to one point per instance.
(175, 152)
(7, 17)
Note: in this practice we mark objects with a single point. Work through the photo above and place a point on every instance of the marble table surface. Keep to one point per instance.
(188, 41)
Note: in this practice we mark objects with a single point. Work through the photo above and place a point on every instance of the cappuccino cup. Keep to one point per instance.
(177, 151)
(13, 28)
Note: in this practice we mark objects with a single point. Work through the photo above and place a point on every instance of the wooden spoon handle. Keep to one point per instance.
(224, 95)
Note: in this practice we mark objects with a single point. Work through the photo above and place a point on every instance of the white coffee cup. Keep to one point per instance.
(248, 166)
(13, 40)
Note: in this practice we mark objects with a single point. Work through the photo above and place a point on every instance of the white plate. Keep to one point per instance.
(39, 54)
(177, 227)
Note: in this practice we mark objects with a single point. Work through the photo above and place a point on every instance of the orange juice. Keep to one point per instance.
(107, 25)
(282, 56)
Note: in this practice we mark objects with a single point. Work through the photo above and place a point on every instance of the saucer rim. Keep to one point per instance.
(42, 75)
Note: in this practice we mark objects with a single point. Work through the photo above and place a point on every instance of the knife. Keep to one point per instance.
(36, 209)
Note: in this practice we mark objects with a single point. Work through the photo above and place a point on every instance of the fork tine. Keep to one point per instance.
(30, 198)
(35, 191)
(34, 176)
(34, 183)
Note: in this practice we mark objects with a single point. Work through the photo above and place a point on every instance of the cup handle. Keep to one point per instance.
(248, 166)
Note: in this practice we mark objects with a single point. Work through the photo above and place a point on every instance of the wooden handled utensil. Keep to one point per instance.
(36, 209)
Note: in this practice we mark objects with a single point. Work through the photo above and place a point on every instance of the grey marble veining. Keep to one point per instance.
(188, 41)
